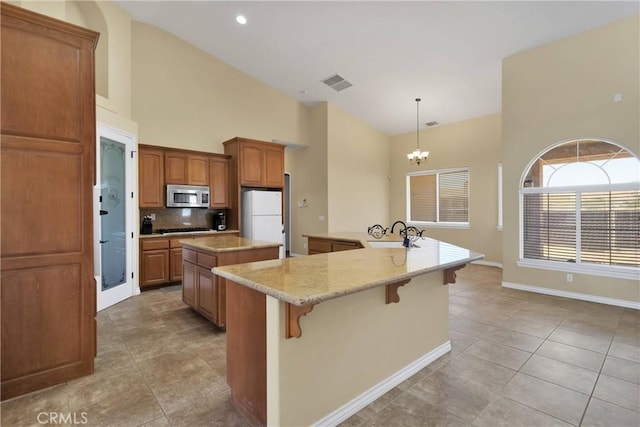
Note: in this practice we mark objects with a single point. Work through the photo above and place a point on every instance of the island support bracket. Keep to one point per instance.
(450, 274)
(293, 313)
(391, 291)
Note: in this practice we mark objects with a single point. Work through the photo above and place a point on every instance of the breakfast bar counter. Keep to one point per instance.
(335, 330)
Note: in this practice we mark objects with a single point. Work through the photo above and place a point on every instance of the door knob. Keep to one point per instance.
(103, 241)
(103, 212)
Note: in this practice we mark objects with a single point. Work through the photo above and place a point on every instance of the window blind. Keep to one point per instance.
(550, 226)
(454, 197)
(585, 227)
(423, 198)
(439, 197)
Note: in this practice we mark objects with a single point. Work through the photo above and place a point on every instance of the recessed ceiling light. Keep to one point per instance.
(240, 19)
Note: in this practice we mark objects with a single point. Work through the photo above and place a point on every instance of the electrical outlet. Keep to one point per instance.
(569, 277)
(305, 246)
(153, 216)
(321, 218)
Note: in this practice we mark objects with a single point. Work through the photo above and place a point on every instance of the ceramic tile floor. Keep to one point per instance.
(517, 359)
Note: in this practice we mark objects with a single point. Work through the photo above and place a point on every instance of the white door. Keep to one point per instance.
(113, 227)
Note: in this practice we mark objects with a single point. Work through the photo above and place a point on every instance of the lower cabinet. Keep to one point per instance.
(322, 246)
(204, 291)
(161, 259)
(200, 288)
(154, 262)
(189, 288)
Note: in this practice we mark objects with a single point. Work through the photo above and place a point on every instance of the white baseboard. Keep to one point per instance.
(292, 254)
(355, 405)
(573, 295)
(487, 263)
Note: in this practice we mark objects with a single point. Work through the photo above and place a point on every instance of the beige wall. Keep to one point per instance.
(185, 98)
(348, 345)
(308, 167)
(358, 173)
(563, 91)
(475, 144)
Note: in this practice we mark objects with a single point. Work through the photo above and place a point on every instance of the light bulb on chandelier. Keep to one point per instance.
(418, 155)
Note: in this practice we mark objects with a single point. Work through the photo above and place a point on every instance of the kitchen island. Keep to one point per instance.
(335, 330)
(203, 291)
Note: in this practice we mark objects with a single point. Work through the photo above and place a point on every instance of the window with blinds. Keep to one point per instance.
(601, 227)
(438, 197)
(580, 205)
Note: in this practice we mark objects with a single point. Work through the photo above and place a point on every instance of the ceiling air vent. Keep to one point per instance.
(337, 83)
(434, 123)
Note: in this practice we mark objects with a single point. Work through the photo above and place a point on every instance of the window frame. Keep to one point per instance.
(611, 271)
(437, 224)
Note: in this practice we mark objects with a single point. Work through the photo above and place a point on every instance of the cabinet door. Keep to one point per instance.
(274, 167)
(251, 164)
(175, 168)
(197, 170)
(219, 182)
(189, 277)
(175, 264)
(155, 267)
(319, 246)
(151, 178)
(344, 246)
(207, 294)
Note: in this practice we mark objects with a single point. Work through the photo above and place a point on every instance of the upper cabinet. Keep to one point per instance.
(158, 166)
(260, 164)
(183, 168)
(219, 182)
(150, 177)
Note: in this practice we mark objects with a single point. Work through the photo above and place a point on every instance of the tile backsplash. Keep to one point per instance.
(180, 217)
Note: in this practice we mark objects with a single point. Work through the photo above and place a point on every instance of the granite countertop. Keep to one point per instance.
(317, 278)
(184, 235)
(226, 244)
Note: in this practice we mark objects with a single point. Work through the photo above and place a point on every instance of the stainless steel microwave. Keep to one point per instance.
(187, 196)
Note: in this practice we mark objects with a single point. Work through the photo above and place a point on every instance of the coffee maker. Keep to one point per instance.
(219, 221)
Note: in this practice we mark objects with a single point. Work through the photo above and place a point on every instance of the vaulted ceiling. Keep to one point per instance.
(447, 53)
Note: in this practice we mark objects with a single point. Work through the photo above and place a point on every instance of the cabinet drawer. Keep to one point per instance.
(189, 255)
(319, 246)
(345, 246)
(175, 243)
(150, 245)
(206, 260)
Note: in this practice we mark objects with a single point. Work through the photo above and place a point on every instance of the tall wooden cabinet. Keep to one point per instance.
(254, 164)
(48, 293)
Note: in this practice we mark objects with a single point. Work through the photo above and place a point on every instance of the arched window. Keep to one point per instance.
(580, 210)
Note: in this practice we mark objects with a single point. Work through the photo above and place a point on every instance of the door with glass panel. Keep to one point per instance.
(114, 227)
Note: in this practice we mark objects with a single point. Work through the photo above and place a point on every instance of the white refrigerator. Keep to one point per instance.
(262, 216)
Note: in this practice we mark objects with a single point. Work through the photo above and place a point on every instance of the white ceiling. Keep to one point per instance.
(447, 53)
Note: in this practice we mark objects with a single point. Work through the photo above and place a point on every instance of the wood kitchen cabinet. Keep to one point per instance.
(219, 182)
(204, 291)
(161, 260)
(252, 163)
(154, 262)
(47, 167)
(200, 285)
(150, 177)
(259, 163)
(321, 246)
(184, 168)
